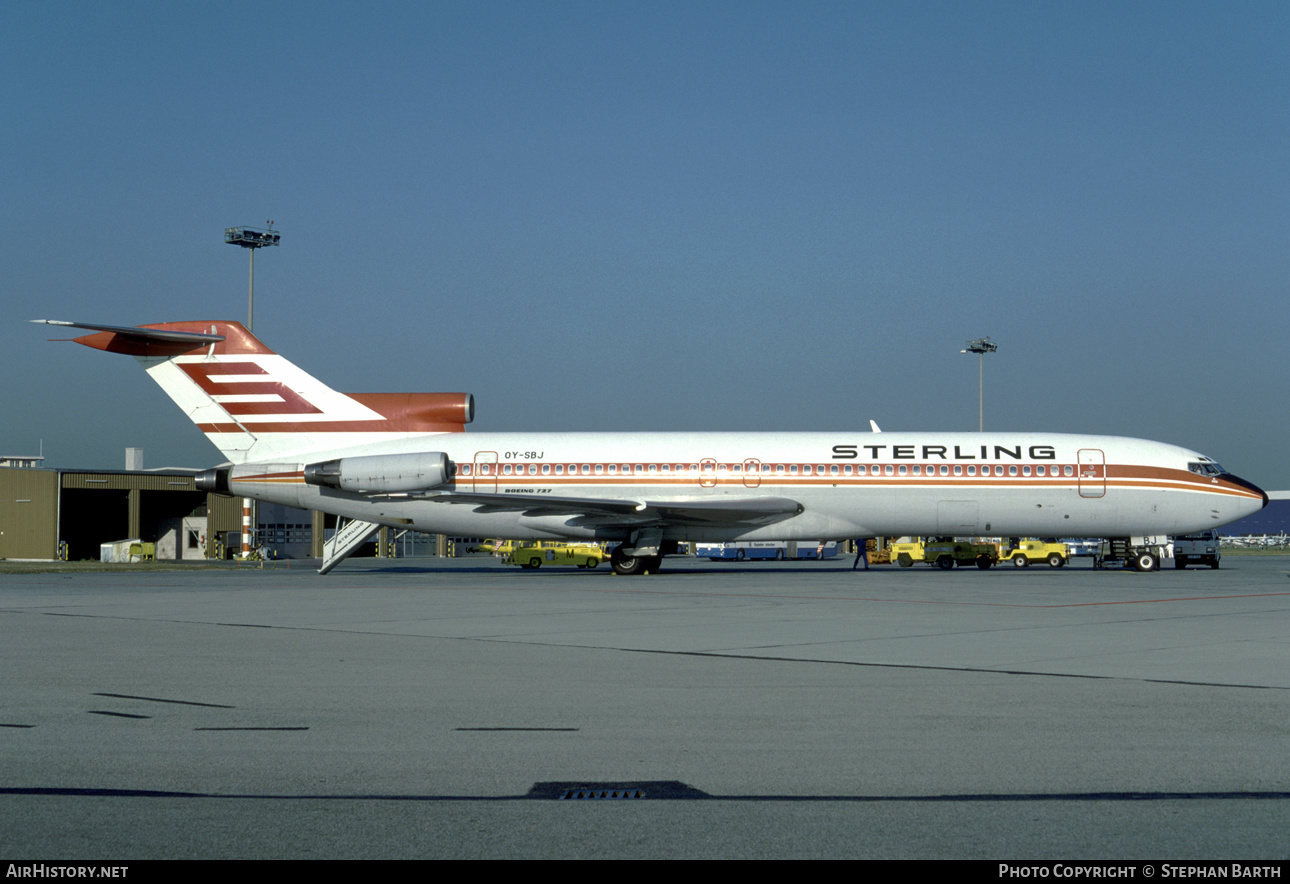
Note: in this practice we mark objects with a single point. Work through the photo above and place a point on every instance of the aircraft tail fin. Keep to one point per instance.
(255, 405)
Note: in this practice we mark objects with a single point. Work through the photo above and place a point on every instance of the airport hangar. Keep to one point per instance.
(49, 514)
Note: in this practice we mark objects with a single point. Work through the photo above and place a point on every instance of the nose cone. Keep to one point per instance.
(1253, 498)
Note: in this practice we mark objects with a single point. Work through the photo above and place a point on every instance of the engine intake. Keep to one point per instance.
(381, 473)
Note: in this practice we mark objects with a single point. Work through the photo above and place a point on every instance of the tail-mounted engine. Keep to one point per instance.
(381, 473)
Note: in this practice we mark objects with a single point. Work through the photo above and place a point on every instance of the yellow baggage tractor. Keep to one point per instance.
(534, 554)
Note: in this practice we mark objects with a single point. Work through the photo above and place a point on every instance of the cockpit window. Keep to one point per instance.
(1206, 468)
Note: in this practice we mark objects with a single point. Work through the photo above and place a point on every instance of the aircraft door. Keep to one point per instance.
(485, 478)
(708, 472)
(1092, 472)
(752, 473)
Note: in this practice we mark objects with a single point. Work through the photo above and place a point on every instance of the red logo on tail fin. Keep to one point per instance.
(240, 397)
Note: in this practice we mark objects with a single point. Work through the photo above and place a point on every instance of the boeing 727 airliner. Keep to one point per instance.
(404, 460)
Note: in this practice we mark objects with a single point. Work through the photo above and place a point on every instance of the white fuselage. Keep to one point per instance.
(848, 484)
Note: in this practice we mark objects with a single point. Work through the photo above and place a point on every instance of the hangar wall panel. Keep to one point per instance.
(28, 514)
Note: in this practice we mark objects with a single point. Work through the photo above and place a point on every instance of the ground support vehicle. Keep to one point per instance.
(1028, 552)
(1138, 553)
(945, 554)
(766, 549)
(906, 553)
(1197, 549)
(535, 554)
(742, 551)
(878, 550)
(1081, 546)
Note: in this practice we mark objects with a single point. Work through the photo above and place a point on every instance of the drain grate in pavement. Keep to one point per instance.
(597, 794)
(581, 790)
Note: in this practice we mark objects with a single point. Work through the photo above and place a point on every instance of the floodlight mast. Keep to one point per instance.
(250, 239)
(981, 347)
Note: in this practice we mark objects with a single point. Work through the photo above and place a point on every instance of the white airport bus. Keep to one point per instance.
(766, 549)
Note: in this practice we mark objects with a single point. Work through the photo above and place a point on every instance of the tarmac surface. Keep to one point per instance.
(429, 708)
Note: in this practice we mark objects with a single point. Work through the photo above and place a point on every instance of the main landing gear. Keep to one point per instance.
(642, 553)
(629, 563)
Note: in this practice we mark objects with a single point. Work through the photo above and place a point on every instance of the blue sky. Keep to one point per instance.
(638, 216)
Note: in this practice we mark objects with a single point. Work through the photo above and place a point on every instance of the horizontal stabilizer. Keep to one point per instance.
(143, 335)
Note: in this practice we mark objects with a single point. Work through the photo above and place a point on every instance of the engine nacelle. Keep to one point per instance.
(215, 480)
(381, 473)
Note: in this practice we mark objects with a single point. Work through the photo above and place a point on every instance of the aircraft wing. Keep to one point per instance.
(737, 510)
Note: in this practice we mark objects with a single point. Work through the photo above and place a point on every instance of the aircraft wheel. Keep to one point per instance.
(1020, 562)
(1144, 562)
(1056, 561)
(625, 564)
